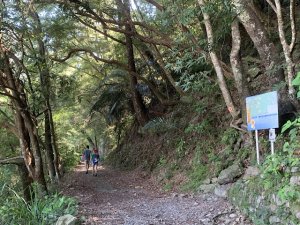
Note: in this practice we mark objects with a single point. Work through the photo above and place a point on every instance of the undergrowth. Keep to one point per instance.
(192, 139)
(40, 211)
(275, 190)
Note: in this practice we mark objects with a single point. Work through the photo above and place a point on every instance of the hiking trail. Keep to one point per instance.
(130, 198)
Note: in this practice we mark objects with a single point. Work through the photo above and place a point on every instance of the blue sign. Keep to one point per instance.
(262, 111)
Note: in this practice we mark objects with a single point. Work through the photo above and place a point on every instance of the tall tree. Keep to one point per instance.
(137, 101)
(287, 48)
(267, 51)
(26, 125)
(237, 68)
(215, 60)
(44, 75)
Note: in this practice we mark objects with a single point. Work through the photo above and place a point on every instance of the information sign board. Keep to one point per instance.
(262, 111)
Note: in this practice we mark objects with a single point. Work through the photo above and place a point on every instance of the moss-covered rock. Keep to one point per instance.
(263, 206)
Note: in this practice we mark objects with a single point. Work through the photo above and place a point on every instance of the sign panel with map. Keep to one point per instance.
(262, 111)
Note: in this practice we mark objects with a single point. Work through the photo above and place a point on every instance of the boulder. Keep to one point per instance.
(295, 180)
(229, 174)
(207, 188)
(214, 180)
(222, 190)
(295, 208)
(277, 200)
(295, 169)
(274, 220)
(251, 171)
(66, 220)
(206, 181)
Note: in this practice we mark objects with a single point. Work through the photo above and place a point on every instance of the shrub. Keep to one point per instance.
(40, 211)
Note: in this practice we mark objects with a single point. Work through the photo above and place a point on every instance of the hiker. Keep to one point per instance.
(87, 157)
(95, 161)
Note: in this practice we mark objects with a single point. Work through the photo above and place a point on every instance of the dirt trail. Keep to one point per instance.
(118, 197)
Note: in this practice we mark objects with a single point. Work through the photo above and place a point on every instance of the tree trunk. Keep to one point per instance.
(287, 49)
(33, 134)
(237, 68)
(51, 146)
(216, 63)
(268, 53)
(159, 67)
(48, 147)
(26, 180)
(56, 156)
(259, 36)
(138, 105)
(27, 128)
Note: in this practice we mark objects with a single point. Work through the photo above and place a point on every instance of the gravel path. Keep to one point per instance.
(127, 198)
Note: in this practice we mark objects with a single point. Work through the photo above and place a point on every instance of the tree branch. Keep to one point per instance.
(97, 30)
(92, 54)
(272, 5)
(293, 26)
(156, 4)
(15, 160)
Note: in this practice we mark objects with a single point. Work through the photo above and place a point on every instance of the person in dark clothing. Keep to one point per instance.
(87, 157)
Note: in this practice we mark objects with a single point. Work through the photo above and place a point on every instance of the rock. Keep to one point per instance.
(222, 190)
(251, 171)
(232, 215)
(183, 196)
(259, 199)
(206, 181)
(277, 200)
(295, 208)
(207, 188)
(295, 169)
(214, 180)
(253, 72)
(273, 207)
(295, 180)
(66, 220)
(274, 220)
(174, 195)
(229, 174)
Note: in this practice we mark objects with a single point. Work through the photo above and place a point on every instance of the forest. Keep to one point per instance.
(155, 85)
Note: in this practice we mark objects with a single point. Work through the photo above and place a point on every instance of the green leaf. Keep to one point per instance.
(296, 81)
(286, 126)
(286, 147)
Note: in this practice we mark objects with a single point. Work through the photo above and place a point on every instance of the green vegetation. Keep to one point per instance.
(275, 187)
(156, 85)
(40, 211)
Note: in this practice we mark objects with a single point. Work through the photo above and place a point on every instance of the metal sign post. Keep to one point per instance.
(262, 113)
(257, 149)
(272, 138)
